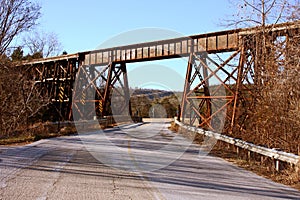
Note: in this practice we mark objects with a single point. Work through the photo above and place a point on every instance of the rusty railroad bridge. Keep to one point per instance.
(104, 70)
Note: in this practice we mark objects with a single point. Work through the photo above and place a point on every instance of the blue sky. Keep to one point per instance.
(84, 25)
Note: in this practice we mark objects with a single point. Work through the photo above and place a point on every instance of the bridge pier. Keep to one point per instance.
(55, 81)
(109, 91)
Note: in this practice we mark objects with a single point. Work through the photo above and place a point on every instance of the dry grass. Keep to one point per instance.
(173, 127)
(46, 130)
(37, 132)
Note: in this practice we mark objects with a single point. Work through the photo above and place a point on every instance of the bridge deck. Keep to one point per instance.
(215, 42)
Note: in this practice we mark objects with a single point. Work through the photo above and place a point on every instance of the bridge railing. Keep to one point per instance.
(271, 153)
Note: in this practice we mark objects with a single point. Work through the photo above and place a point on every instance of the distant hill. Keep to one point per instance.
(144, 100)
(151, 93)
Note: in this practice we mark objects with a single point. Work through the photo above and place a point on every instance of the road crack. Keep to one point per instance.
(115, 188)
(57, 170)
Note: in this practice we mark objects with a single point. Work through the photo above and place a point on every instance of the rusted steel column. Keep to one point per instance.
(107, 88)
(238, 85)
(187, 86)
(206, 87)
(126, 89)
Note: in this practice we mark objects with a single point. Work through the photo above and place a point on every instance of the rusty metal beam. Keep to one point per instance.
(216, 42)
(127, 103)
(187, 86)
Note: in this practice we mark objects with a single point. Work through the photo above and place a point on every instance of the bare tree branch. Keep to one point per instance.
(20, 98)
(45, 43)
(252, 12)
(16, 16)
(254, 7)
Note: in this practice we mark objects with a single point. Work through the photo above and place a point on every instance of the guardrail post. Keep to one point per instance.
(178, 113)
(261, 159)
(277, 165)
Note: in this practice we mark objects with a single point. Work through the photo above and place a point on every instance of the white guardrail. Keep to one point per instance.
(272, 153)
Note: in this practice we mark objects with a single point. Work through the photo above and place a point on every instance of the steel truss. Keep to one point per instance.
(55, 80)
(216, 89)
(222, 73)
(102, 91)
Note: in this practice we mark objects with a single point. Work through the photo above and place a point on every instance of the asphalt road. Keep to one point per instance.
(132, 162)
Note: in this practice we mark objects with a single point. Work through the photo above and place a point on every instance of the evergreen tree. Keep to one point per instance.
(17, 54)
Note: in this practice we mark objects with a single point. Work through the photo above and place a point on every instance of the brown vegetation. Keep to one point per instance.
(21, 101)
(273, 119)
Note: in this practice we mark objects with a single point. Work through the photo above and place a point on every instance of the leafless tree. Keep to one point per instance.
(262, 12)
(274, 119)
(45, 43)
(20, 99)
(16, 16)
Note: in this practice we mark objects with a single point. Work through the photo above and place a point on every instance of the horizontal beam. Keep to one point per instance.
(173, 48)
(210, 97)
(165, 49)
(50, 59)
